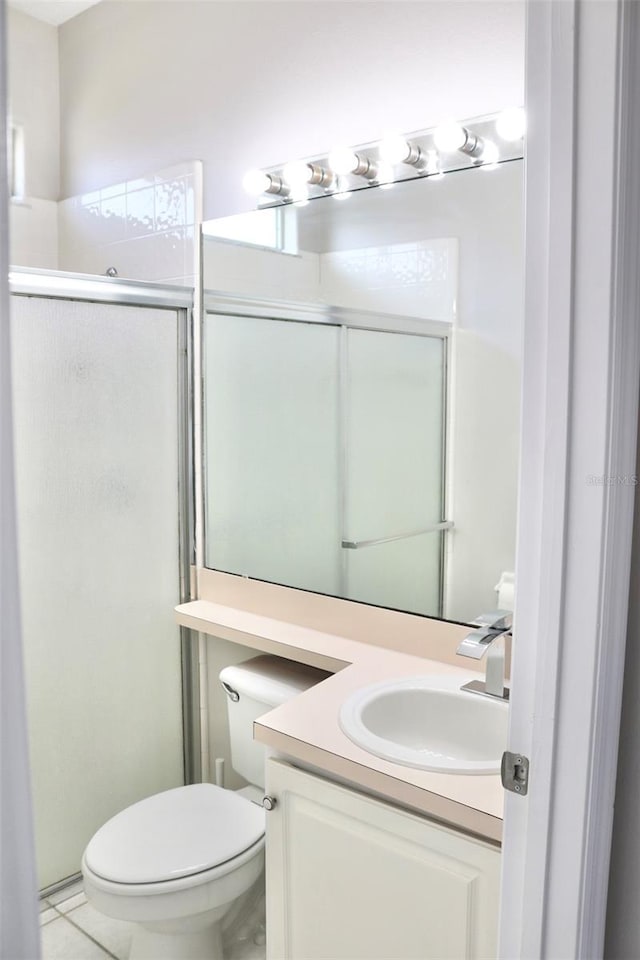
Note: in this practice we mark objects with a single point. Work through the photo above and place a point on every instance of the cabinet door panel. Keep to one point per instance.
(350, 877)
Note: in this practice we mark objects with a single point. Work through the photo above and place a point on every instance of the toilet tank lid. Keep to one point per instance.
(271, 680)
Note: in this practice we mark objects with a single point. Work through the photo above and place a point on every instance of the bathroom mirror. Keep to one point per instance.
(362, 364)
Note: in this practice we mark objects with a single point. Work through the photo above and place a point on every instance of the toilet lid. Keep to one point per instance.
(175, 834)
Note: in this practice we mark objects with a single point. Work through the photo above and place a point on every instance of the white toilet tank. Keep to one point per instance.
(253, 688)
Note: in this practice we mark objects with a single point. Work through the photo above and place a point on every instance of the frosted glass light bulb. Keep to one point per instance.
(490, 154)
(341, 192)
(511, 124)
(256, 182)
(433, 168)
(449, 137)
(384, 175)
(297, 173)
(394, 149)
(299, 195)
(343, 160)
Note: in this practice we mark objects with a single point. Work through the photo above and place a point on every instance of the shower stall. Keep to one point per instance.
(101, 390)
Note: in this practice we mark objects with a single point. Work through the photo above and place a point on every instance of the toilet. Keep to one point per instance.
(176, 863)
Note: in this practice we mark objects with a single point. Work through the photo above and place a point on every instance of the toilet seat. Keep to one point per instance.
(175, 835)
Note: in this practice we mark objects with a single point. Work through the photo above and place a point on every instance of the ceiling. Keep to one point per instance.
(52, 11)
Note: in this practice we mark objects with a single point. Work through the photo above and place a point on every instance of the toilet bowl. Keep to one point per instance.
(175, 863)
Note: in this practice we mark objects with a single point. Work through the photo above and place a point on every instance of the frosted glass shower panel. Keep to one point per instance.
(394, 468)
(402, 574)
(395, 395)
(96, 430)
(271, 429)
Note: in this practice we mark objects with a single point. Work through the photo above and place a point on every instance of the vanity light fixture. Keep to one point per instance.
(511, 124)
(344, 160)
(256, 182)
(450, 137)
(298, 173)
(396, 149)
(483, 142)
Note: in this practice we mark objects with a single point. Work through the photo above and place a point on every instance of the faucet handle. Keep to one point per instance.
(496, 620)
(476, 643)
(489, 627)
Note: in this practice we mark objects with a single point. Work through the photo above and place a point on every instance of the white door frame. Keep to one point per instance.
(19, 933)
(579, 436)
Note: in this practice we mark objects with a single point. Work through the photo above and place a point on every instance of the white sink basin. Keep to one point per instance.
(428, 723)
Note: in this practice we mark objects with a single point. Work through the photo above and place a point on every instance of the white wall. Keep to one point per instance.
(242, 84)
(244, 270)
(34, 104)
(34, 233)
(34, 99)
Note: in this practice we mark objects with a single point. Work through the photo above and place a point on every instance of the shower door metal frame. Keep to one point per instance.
(51, 284)
(344, 318)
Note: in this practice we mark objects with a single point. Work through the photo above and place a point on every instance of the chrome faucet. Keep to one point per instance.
(488, 639)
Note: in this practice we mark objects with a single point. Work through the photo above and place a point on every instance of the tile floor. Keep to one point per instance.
(71, 929)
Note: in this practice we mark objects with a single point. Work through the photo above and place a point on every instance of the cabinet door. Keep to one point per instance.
(350, 877)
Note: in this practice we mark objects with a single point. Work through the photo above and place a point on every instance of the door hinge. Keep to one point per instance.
(515, 772)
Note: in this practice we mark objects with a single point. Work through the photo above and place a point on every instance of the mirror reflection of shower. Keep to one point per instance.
(325, 452)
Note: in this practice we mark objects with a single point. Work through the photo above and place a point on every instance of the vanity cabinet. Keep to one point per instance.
(350, 877)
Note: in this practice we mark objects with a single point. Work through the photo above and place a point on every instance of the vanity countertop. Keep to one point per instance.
(306, 728)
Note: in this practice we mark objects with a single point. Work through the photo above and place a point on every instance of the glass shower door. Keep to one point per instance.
(324, 451)
(271, 431)
(394, 469)
(96, 430)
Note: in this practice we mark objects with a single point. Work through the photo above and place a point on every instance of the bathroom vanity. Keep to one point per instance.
(352, 877)
(366, 859)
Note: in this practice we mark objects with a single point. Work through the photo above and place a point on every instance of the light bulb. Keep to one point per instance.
(341, 192)
(343, 160)
(299, 195)
(433, 168)
(256, 182)
(384, 176)
(297, 173)
(511, 124)
(394, 149)
(490, 155)
(449, 137)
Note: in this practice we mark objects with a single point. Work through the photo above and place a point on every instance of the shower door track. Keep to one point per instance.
(30, 282)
